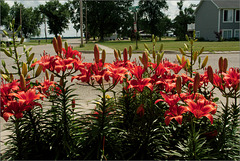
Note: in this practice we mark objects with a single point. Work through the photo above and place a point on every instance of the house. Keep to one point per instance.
(220, 16)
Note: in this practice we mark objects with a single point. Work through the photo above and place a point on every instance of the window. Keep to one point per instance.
(236, 33)
(227, 15)
(227, 34)
(237, 14)
(197, 34)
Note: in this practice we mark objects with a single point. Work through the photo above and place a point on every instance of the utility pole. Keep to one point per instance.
(45, 28)
(86, 36)
(81, 23)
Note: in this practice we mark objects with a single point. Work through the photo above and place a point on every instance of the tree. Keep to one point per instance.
(4, 13)
(184, 17)
(151, 17)
(58, 16)
(104, 17)
(31, 19)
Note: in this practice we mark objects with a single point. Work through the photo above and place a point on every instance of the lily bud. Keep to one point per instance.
(179, 85)
(39, 70)
(220, 64)
(145, 60)
(125, 54)
(154, 55)
(73, 104)
(5, 77)
(210, 73)
(181, 50)
(161, 55)
(96, 53)
(52, 77)
(55, 45)
(158, 59)
(201, 51)
(225, 65)
(11, 77)
(46, 74)
(196, 82)
(116, 54)
(66, 46)
(146, 46)
(140, 110)
(161, 48)
(140, 58)
(179, 59)
(6, 52)
(103, 56)
(195, 56)
(24, 69)
(22, 82)
(130, 52)
(30, 58)
(188, 63)
(119, 54)
(59, 40)
(205, 62)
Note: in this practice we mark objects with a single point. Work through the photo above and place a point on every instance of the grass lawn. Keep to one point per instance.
(174, 45)
(36, 42)
(88, 46)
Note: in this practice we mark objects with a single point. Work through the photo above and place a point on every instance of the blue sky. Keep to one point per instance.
(171, 12)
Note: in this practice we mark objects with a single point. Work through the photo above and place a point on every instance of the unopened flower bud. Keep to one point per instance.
(196, 82)
(140, 110)
(103, 56)
(47, 75)
(39, 70)
(73, 104)
(22, 82)
(179, 59)
(116, 54)
(210, 73)
(96, 53)
(145, 60)
(195, 56)
(55, 45)
(52, 77)
(24, 69)
(119, 54)
(205, 62)
(179, 85)
(66, 46)
(220, 64)
(59, 40)
(225, 65)
(125, 55)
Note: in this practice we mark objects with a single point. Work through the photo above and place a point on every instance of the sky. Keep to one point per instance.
(71, 32)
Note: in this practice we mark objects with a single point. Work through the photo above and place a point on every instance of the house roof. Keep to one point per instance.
(229, 4)
(220, 4)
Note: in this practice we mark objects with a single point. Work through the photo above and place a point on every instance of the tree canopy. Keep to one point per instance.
(152, 18)
(58, 16)
(31, 19)
(103, 17)
(185, 16)
(4, 13)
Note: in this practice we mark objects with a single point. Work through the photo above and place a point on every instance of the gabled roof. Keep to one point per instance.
(222, 4)
(228, 4)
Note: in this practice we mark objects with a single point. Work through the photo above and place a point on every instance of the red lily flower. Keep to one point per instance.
(137, 72)
(175, 112)
(13, 108)
(232, 78)
(201, 107)
(139, 84)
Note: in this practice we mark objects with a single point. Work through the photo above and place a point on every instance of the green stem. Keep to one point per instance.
(193, 139)
(15, 50)
(191, 70)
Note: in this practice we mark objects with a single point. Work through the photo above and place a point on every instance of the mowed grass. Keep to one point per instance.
(175, 45)
(168, 44)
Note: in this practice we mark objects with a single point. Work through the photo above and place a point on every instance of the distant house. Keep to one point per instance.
(217, 16)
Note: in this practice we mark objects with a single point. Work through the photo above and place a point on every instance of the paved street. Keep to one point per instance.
(86, 93)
